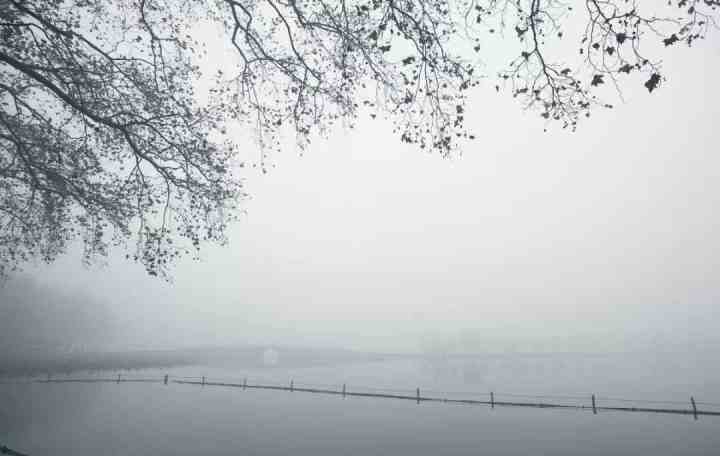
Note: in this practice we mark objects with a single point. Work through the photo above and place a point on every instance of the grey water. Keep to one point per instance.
(177, 419)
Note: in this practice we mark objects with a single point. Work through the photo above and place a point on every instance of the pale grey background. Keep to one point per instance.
(603, 239)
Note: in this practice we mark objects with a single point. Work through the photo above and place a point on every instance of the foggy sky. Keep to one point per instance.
(602, 239)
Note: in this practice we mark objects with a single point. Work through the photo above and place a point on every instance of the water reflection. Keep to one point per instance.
(142, 418)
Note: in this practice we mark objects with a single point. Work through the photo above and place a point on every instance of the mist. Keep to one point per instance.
(598, 240)
(539, 289)
(39, 320)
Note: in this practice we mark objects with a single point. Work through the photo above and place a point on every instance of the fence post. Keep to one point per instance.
(291, 386)
(203, 381)
(118, 379)
(492, 399)
(244, 382)
(692, 400)
(343, 390)
(165, 380)
(593, 404)
(417, 394)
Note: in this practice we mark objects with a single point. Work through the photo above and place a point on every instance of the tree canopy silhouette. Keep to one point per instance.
(103, 140)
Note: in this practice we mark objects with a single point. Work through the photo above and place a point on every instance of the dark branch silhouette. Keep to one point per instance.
(102, 138)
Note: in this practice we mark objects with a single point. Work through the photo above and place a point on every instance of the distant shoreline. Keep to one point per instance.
(248, 356)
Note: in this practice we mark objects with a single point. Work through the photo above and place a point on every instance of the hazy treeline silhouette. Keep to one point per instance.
(38, 321)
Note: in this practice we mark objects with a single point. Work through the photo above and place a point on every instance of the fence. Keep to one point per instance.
(591, 402)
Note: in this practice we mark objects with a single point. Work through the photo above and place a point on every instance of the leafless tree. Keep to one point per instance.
(102, 138)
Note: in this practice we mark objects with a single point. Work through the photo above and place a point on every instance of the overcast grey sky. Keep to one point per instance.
(598, 239)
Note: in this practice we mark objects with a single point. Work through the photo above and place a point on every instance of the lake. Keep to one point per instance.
(86, 419)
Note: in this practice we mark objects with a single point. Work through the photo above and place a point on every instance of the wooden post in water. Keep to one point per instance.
(48, 376)
(492, 399)
(292, 386)
(203, 381)
(417, 394)
(343, 390)
(165, 380)
(118, 380)
(692, 401)
(593, 403)
(244, 382)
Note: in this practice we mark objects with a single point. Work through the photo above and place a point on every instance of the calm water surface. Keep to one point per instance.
(151, 418)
